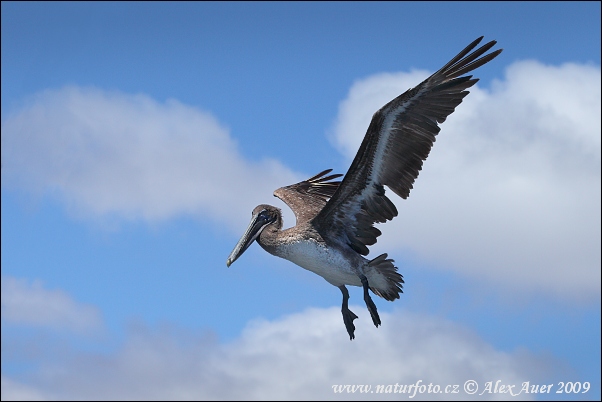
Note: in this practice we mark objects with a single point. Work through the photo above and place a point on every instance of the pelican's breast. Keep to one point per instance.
(319, 258)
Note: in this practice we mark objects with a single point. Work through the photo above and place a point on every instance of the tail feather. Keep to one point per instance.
(389, 288)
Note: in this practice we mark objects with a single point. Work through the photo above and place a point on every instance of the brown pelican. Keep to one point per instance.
(335, 219)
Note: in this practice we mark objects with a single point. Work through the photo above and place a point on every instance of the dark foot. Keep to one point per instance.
(369, 303)
(348, 318)
(348, 315)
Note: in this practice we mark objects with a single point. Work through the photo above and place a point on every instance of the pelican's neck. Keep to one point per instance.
(271, 237)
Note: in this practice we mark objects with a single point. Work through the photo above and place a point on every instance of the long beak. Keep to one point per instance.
(251, 234)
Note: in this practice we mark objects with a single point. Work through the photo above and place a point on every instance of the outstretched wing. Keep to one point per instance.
(308, 197)
(398, 140)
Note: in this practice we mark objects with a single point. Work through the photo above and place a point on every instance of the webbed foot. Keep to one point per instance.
(348, 315)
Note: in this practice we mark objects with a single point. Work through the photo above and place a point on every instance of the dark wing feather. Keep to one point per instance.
(399, 138)
(308, 197)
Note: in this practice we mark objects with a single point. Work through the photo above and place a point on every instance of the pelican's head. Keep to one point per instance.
(263, 216)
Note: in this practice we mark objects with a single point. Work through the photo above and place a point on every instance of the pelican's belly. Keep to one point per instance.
(316, 257)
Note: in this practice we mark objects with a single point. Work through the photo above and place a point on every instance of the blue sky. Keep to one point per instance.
(138, 137)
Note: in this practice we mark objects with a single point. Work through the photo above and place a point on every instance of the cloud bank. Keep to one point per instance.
(300, 356)
(511, 189)
(110, 153)
(32, 305)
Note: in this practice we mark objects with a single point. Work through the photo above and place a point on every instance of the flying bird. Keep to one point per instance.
(335, 219)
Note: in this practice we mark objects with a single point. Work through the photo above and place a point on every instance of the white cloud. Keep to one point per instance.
(109, 153)
(511, 190)
(15, 391)
(300, 356)
(31, 304)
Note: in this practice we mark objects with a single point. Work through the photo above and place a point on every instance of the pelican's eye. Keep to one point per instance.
(265, 216)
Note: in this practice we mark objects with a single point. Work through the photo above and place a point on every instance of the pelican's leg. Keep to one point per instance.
(348, 315)
(369, 303)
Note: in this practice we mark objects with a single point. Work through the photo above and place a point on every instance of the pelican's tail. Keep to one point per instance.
(384, 279)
